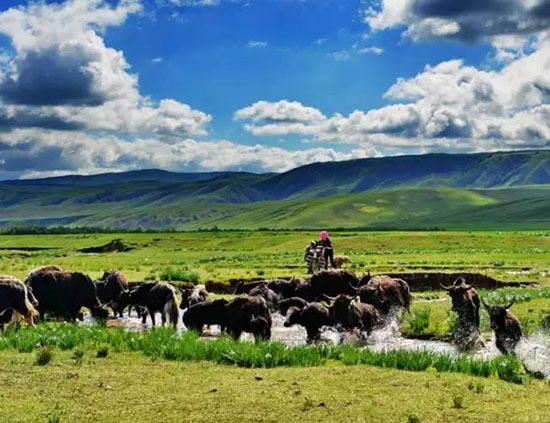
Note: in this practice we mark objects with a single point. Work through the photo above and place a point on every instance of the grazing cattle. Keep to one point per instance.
(283, 288)
(155, 298)
(205, 313)
(387, 294)
(271, 298)
(466, 305)
(295, 302)
(351, 314)
(243, 313)
(246, 287)
(332, 283)
(195, 295)
(339, 261)
(304, 291)
(65, 293)
(109, 288)
(312, 317)
(15, 297)
(507, 327)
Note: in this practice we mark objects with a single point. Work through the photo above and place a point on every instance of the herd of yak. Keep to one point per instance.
(329, 298)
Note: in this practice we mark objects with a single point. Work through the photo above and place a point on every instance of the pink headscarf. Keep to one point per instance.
(323, 235)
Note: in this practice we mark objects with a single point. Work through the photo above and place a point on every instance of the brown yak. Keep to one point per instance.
(350, 314)
(507, 327)
(466, 305)
(387, 294)
(15, 297)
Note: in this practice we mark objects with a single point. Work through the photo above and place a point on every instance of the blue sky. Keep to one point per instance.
(265, 85)
(207, 61)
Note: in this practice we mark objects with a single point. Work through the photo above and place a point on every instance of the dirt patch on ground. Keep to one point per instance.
(431, 281)
(28, 248)
(116, 245)
(417, 282)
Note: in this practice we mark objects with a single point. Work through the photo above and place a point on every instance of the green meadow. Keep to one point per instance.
(224, 255)
(66, 373)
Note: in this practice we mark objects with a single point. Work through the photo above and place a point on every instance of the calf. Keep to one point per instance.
(205, 313)
(312, 317)
(508, 331)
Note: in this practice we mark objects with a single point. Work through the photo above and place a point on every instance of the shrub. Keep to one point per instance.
(43, 356)
(102, 351)
(181, 275)
(458, 401)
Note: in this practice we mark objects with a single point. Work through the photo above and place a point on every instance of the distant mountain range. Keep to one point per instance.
(486, 190)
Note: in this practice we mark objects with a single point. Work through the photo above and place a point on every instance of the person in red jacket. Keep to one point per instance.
(327, 245)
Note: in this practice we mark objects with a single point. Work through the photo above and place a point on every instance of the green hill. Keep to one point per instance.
(488, 190)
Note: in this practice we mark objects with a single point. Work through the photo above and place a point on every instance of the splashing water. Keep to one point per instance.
(534, 352)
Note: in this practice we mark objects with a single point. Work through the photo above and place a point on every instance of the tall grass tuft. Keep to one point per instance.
(180, 275)
(165, 343)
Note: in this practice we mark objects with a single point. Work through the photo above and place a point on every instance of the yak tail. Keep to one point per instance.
(171, 309)
(31, 311)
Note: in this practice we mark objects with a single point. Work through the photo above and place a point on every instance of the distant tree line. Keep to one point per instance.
(60, 230)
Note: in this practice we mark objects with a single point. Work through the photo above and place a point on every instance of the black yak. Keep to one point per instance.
(246, 313)
(205, 313)
(466, 305)
(155, 298)
(312, 317)
(507, 327)
(332, 283)
(65, 293)
(109, 288)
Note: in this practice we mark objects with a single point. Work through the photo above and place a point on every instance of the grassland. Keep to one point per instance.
(181, 379)
(223, 255)
(129, 387)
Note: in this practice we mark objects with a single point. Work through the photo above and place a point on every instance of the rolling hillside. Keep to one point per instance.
(488, 190)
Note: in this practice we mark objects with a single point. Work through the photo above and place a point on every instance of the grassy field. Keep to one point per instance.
(220, 256)
(182, 379)
(124, 387)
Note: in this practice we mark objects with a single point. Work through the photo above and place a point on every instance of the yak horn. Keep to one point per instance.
(488, 307)
(329, 298)
(511, 303)
(446, 288)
